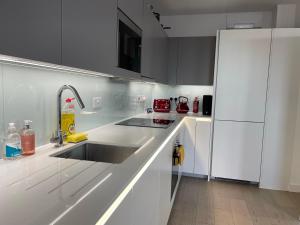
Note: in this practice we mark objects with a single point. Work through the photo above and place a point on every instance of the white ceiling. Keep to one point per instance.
(174, 7)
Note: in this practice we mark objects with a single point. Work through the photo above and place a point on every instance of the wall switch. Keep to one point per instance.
(97, 102)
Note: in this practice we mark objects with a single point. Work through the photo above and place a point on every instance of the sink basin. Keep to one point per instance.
(97, 152)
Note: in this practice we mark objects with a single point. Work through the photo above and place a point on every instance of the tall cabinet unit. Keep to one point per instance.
(242, 76)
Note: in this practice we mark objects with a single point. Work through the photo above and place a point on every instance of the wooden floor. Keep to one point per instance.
(199, 202)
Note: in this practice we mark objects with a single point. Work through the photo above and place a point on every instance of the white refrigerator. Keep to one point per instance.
(240, 98)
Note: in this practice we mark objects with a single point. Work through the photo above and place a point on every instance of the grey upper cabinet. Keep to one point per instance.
(133, 9)
(89, 37)
(195, 58)
(31, 29)
(160, 55)
(172, 60)
(154, 48)
(148, 64)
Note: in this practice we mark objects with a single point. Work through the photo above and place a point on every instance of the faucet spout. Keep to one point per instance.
(59, 138)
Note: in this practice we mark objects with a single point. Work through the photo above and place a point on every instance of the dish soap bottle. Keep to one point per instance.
(68, 117)
(12, 146)
(27, 139)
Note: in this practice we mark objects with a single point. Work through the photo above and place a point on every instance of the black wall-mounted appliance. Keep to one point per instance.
(129, 44)
(207, 105)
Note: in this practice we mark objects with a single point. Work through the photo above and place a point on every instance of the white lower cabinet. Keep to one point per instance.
(202, 149)
(145, 197)
(165, 161)
(237, 149)
(149, 201)
(197, 147)
(189, 142)
(123, 214)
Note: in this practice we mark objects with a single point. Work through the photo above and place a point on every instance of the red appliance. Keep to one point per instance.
(182, 106)
(162, 105)
(196, 105)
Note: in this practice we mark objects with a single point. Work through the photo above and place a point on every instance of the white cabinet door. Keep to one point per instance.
(189, 145)
(123, 214)
(165, 161)
(145, 197)
(133, 9)
(242, 74)
(237, 149)
(202, 150)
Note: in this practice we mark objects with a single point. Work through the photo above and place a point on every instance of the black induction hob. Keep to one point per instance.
(142, 122)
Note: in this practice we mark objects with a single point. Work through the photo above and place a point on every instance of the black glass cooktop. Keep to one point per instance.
(142, 122)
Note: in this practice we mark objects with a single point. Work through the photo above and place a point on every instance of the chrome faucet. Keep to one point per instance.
(58, 138)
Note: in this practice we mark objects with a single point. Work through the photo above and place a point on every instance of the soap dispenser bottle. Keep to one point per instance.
(12, 142)
(27, 139)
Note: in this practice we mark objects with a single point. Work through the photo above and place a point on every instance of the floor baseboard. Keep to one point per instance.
(294, 188)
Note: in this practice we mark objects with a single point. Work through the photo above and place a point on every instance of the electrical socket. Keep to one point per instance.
(97, 102)
(141, 98)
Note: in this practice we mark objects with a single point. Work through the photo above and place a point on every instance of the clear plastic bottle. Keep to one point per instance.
(12, 143)
(27, 139)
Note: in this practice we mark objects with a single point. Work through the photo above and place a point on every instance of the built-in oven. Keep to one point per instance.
(129, 43)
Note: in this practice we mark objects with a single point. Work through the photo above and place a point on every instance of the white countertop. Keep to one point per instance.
(40, 189)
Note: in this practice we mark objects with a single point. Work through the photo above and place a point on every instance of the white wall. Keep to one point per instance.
(208, 24)
(286, 15)
(281, 134)
(294, 184)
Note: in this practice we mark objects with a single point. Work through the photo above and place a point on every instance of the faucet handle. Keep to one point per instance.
(54, 138)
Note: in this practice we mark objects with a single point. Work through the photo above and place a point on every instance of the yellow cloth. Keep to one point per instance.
(178, 155)
(75, 138)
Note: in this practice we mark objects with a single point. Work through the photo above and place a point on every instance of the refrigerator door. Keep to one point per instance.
(237, 150)
(242, 74)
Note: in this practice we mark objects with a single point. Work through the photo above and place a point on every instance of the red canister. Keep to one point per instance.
(196, 105)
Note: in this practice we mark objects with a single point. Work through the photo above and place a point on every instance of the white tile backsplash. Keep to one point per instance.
(30, 93)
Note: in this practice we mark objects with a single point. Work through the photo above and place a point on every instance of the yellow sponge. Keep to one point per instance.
(75, 138)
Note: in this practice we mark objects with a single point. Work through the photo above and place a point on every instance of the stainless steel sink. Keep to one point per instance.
(97, 152)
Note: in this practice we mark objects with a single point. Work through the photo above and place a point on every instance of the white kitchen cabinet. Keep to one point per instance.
(123, 214)
(165, 160)
(189, 143)
(151, 195)
(242, 74)
(149, 201)
(145, 196)
(133, 9)
(237, 150)
(202, 149)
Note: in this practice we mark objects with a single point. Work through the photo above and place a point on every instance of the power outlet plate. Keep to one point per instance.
(97, 102)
